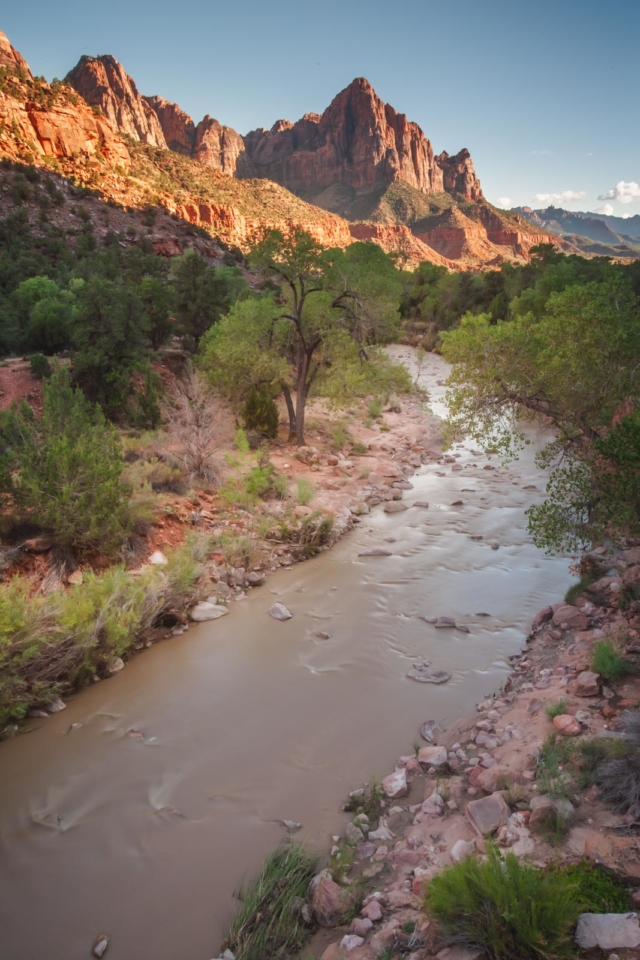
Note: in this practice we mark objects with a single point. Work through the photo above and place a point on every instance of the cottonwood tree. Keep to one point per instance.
(317, 333)
(577, 365)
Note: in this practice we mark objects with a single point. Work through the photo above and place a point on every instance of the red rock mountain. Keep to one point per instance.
(360, 159)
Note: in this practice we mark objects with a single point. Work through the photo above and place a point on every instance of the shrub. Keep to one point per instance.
(375, 408)
(240, 441)
(69, 465)
(507, 909)
(260, 414)
(264, 482)
(305, 491)
(198, 425)
(269, 923)
(619, 776)
(579, 588)
(606, 661)
(597, 891)
(556, 709)
(359, 449)
(553, 777)
(40, 366)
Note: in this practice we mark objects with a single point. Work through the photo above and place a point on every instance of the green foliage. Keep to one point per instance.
(40, 366)
(305, 491)
(260, 413)
(618, 775)
(264, 482)
(577, 589)
(556, 709)
(145, 408)
(585, 344)
(597, 891)
(606, 661)
(240, 441)
(68, 469)
(555, 775)
(203, 294)
(50, 644)
(269, 923)
(507, 909)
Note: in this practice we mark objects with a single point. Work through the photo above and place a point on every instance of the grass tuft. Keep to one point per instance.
(505, 908)
(556, 709)
(606, 661)
(269, 922)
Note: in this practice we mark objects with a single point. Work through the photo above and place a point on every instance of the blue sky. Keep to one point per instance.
(545, 95)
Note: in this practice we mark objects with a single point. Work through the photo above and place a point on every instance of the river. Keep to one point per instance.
(246, 721)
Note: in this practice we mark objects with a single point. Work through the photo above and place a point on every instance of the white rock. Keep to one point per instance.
(279, 612)
(207, 611)
(609, 931)
(158, 557)
(100, 945)
(462, 849)
(56, 705)
(350, 942)
(395, 785)
(116, 665)
(382, 833)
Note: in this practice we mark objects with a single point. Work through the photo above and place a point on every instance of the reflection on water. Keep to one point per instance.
(246, 721)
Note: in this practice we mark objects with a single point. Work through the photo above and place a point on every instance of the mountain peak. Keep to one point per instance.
(9, 57)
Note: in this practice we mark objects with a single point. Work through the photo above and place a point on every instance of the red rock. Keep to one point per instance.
(372, 911)
(103, 82)
(395, 785)
(488, 814)
(587, 684)
(567, 725)
(421, 877)
(329, 902)
(11, 59)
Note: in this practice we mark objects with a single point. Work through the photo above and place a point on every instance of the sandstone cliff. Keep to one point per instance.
(102, 82)
(12, 60)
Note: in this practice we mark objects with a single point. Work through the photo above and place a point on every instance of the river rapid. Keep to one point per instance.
(142, 807)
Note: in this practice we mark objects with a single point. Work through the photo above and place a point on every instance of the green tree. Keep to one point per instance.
(68, 466)
(317, 333)
(110, 337)
(577, 365)
(202, 293)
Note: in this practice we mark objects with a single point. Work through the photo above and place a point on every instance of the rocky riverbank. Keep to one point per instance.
(491, 775)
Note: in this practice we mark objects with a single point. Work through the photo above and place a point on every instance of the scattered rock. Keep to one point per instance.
(100, 945)
(395, 506)
(158, 558)
(587, 684)
(354, 834)
(422, 503)
(423, 673)
(462, 849)
(279, 612)
(116, 665)
(567, 725)
(488, 814)
(444, 622)
(38, 544)
(207, 611)
(56, 706)
(395, 786)
(329, 902)
(361, 926)
(376, 552)
(428, 730)
(291, 825)
(350, 942)
(372, 911)
(75, 578)
(432, 757)
(609, 931)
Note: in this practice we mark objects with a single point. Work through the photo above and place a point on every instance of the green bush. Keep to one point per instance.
(556, 709)
(264, 482)
(305, 491)
(553, 776)
(597, 891)
(606, 661)
(269, 922)
(50, 644)
(260, 414)
(505, 908)
(40, 366)
(618, 776)
(68, 470)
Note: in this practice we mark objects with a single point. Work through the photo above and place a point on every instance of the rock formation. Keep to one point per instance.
(218, 147)
(11, 59)
(178, 128)
(103, 83)
(459, 175)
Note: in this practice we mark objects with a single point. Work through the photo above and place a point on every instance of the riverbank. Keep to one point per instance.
(515, 771)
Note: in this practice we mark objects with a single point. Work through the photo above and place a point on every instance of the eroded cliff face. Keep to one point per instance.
(358, 141)
(9, 57)
(103, 82)
(459, 175)
(178, 128)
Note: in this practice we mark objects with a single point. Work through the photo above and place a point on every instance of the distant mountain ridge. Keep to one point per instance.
(614, 236)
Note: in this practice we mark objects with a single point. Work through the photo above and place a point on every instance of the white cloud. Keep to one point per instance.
(623, 192)
(504, 202)
(566, 196)
(607, 210)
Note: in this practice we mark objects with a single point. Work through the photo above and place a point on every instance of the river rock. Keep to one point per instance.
(395, 785)
(100, 945)
(75, 578)
(488, 814)
(372, 911)
(329, 902)
(587, 684)
(365, 851)
(56, 705)
(462, 849)
(116, 665)
(423, 673)
(567, 725)
(376, 552)
(609, 931)
(428, 730)
(432, 757)
(279, 612)
(207, 611)
(350, 942)
(444, 622)
(395, 506)
(422, 503)
(354, 834)
(361, 926)
(382, 833)
(572, 616)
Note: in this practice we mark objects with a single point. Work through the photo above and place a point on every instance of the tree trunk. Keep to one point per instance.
(291, 412)
(301, 399)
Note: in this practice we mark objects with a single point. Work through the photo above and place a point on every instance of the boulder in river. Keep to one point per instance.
(422, 503)
(395, 506)
(376, 552)
(279, 612)
(207, 611)
(423, 673)
(428, 730)
(100, 945)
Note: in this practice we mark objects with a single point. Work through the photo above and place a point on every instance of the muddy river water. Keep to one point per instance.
(247, 721)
